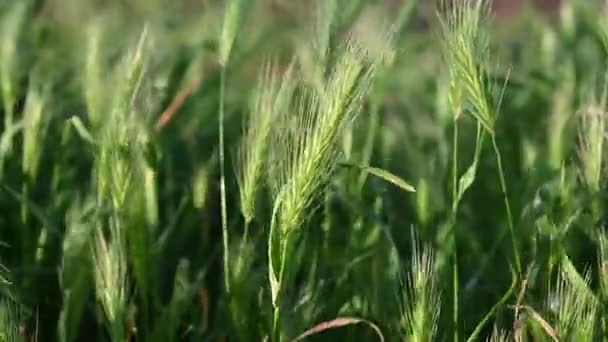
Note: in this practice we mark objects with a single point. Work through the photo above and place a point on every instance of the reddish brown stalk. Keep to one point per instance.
(204, 301)
(179, 100)
(338, 323)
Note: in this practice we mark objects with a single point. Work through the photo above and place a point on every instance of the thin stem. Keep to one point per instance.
(223, 182)
(454, 235)
(26, 237)
(455, 169)
(245, 235)
(287, 246)
(326, 224)
(368, 148)
(24, 202)
(117, 329)
(503, 186)
(276, 325)
(243, 245)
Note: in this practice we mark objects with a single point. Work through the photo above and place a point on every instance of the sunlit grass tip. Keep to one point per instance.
(272, 98)
(111, 283)
(421, 297)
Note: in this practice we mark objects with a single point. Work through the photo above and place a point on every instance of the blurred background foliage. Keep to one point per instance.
(550, 66)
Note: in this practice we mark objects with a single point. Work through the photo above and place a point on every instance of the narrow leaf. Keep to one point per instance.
(467, 179)
(82, 130)
(272, 256)
(478, 329)
(383, 174)
(338, 323)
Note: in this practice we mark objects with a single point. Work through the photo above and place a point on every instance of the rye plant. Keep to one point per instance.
(309, 146)
(466, 52)
(271, 101)
(234, 14)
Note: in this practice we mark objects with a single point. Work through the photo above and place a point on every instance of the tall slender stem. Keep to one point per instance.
(454, 235)
(243, 245)
(455, 169)
(245, 236)
(276, 325)
(283, 280)
(503, 186)
(223, 182)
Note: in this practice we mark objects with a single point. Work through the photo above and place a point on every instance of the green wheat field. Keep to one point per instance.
(277, 170)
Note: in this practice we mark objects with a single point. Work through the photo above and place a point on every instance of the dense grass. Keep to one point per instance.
(317, 170)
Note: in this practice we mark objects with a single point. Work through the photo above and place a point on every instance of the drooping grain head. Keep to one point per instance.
(272, 99)
(465, 49)
(311, 151)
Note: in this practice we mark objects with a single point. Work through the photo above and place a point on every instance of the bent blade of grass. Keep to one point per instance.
(480, 326)
(467, 179)
(82, 130)
(338, 323)
(382, 174)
